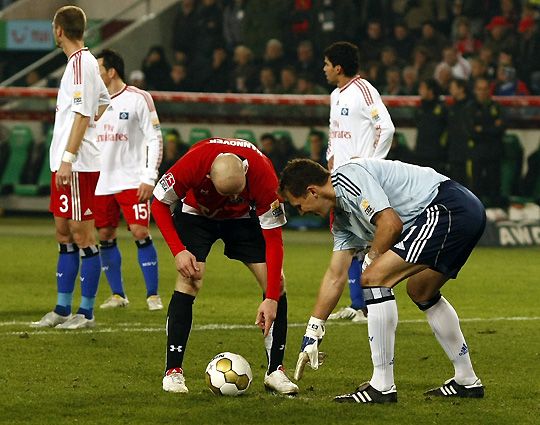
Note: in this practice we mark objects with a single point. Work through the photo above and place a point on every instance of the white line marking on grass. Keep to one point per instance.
(140, 327)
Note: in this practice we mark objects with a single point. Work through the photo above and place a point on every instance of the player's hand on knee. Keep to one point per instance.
(309, 351)
(186, 264)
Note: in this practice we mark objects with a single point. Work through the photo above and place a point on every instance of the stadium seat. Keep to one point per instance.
(400, 150)
(198, 133)
(245, 134)
(40, 185)
(401, 140)
(4, 154)
(20, 140)
(511, 165)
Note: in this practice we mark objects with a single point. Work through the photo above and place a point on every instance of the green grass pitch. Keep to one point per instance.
(112, 374)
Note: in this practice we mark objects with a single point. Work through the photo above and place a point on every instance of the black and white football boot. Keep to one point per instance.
(452, 389)
(365, 393)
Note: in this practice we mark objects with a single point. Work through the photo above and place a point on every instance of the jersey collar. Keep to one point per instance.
(353, 79)
(120, 92)
(78, 51)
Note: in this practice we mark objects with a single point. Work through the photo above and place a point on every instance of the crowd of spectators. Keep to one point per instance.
(240, 46)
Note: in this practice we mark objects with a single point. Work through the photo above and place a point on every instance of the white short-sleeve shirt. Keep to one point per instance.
(130, 142)
(360, 125)
(81, 91)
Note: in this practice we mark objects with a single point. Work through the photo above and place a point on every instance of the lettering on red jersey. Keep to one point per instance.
(236, 142)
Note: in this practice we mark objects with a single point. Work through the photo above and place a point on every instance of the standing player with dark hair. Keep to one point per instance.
(224, 189)
(74, 161)
(419, 225)
(130, 141)
(360, 127)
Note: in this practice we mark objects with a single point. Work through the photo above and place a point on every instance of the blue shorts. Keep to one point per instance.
(445, 233)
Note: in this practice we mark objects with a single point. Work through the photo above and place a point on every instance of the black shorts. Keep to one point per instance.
(242, 236)
(445, 233)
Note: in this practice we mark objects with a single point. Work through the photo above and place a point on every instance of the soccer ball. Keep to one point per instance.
(228, 374)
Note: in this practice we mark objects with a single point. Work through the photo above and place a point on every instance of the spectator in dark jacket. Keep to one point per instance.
(487, 130)
(335, 20)
(528, 54)
(179, 79)
(233, 23)
(156, 69)
(186, 31)
(431, 121)
(243, 78)
(459, 144)
(402, 41)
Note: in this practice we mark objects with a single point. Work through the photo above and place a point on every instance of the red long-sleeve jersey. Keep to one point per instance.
(188, 181)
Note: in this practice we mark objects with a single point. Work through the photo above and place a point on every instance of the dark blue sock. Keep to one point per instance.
(67, 269)
(90, 271)
(355, 288)
(111, 264)
(147, 255)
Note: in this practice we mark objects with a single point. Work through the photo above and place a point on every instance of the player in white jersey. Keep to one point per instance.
(130, 141)
(74, 161)
(420, 226)
(360, 127)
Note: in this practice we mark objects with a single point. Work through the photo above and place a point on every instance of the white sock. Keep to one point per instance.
(382, 322)
(444, 323)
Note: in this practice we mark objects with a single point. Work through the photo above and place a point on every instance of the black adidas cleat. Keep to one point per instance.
(365, 393)
(452, 389)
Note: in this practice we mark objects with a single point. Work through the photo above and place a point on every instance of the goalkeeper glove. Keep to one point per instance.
(309, 351)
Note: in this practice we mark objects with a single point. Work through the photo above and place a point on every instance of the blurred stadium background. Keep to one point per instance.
(174, 55)
(172, 47)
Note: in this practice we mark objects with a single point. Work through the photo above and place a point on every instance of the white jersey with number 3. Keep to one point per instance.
(81, 91)
(360, 125)
(130, 141)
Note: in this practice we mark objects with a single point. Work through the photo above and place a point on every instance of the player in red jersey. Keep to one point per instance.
(224, 189)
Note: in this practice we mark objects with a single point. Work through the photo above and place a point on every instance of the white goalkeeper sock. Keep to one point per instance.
(382, 323)
(444, 323)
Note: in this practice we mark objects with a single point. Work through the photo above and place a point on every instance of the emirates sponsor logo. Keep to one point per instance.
(112, 137)
(339, 134)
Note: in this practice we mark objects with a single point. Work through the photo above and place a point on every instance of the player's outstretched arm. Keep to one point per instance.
(329, 293)
(333, 283)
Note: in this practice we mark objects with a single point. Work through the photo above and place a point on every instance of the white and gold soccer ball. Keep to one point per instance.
(228, 374)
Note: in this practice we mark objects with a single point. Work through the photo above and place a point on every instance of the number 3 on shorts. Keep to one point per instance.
(64, 199)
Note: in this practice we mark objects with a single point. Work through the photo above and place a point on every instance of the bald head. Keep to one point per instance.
(228, 174)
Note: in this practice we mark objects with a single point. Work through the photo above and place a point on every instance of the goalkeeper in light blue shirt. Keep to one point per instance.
(410, 222)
